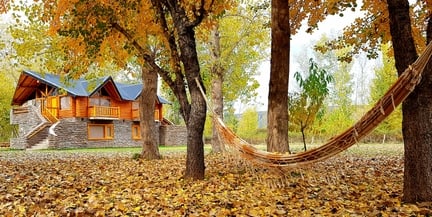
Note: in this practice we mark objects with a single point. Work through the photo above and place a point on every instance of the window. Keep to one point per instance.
(98, 101)
(65, 102)
(100, 131)
(104, 102)
(136, 131)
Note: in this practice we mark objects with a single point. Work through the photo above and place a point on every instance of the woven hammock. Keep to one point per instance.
(397, 93)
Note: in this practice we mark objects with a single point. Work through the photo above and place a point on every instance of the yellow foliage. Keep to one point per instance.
(88, 27)
(372, 29)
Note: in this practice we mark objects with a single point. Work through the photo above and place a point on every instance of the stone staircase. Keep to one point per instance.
(44, 144)
(38, 138)
(38, 135)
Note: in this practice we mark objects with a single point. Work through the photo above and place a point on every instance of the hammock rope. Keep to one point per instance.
(396, 94)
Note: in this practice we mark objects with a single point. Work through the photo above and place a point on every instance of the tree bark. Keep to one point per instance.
(184, 58)
(195, 123)
(217, 91)
(277, 124)
(150, 147)
(416, 109)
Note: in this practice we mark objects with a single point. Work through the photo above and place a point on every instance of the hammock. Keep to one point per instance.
(397, 93)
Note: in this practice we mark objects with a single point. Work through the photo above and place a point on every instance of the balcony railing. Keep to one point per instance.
(50, 114)
(103, 112)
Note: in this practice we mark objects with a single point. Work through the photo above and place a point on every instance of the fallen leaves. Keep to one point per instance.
(95, 184)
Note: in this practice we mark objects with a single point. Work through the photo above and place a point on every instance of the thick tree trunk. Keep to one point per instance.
(277, 117)
(217, 92)
(150, 148)
(195, 123)
(182, 45)
(416, 109)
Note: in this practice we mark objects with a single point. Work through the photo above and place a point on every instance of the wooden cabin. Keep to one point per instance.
(54, 113)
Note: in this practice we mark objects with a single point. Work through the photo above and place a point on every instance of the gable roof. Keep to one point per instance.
(29, 81)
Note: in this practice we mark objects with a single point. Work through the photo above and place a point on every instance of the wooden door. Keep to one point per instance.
(53, 106)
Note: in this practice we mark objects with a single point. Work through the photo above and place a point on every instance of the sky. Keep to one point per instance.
(333, 25)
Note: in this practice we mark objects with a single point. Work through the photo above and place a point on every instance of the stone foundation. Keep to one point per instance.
(173, 135)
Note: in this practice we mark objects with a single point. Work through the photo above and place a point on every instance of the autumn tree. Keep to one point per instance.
(231, 58)
(385, 76)
(287, 18)
(248, 123)
(405, 27)
(3, 5)
(395, 21)
(160, 33)
(416, 109)
(7, 90)
(340, 112)
(305, 105)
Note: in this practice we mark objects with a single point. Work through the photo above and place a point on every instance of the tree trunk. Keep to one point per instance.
(277, 124)
(195, 123)
(150, 147)
(217, 92)
(304, 138)
(416, 109)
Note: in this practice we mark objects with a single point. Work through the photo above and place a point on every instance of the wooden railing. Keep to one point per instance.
(103, 112)
(20, 110)
(49, 115)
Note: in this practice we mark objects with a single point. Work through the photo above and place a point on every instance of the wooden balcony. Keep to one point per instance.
(103, 112)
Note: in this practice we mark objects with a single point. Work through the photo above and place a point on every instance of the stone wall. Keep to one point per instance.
(173, 135)
(123, 134)
(28, 118)
(72, 133)
(18, 143)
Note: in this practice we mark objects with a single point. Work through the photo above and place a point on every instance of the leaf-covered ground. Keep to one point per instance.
(108, 184)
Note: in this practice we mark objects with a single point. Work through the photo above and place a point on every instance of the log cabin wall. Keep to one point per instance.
(125, 108)
(81, 106)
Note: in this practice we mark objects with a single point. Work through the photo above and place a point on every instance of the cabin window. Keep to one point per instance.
(100, 131)
(65, 103)
(104, 102)
(99, 101)
(136, 131)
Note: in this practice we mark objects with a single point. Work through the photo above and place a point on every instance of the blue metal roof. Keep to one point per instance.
(82, 87)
